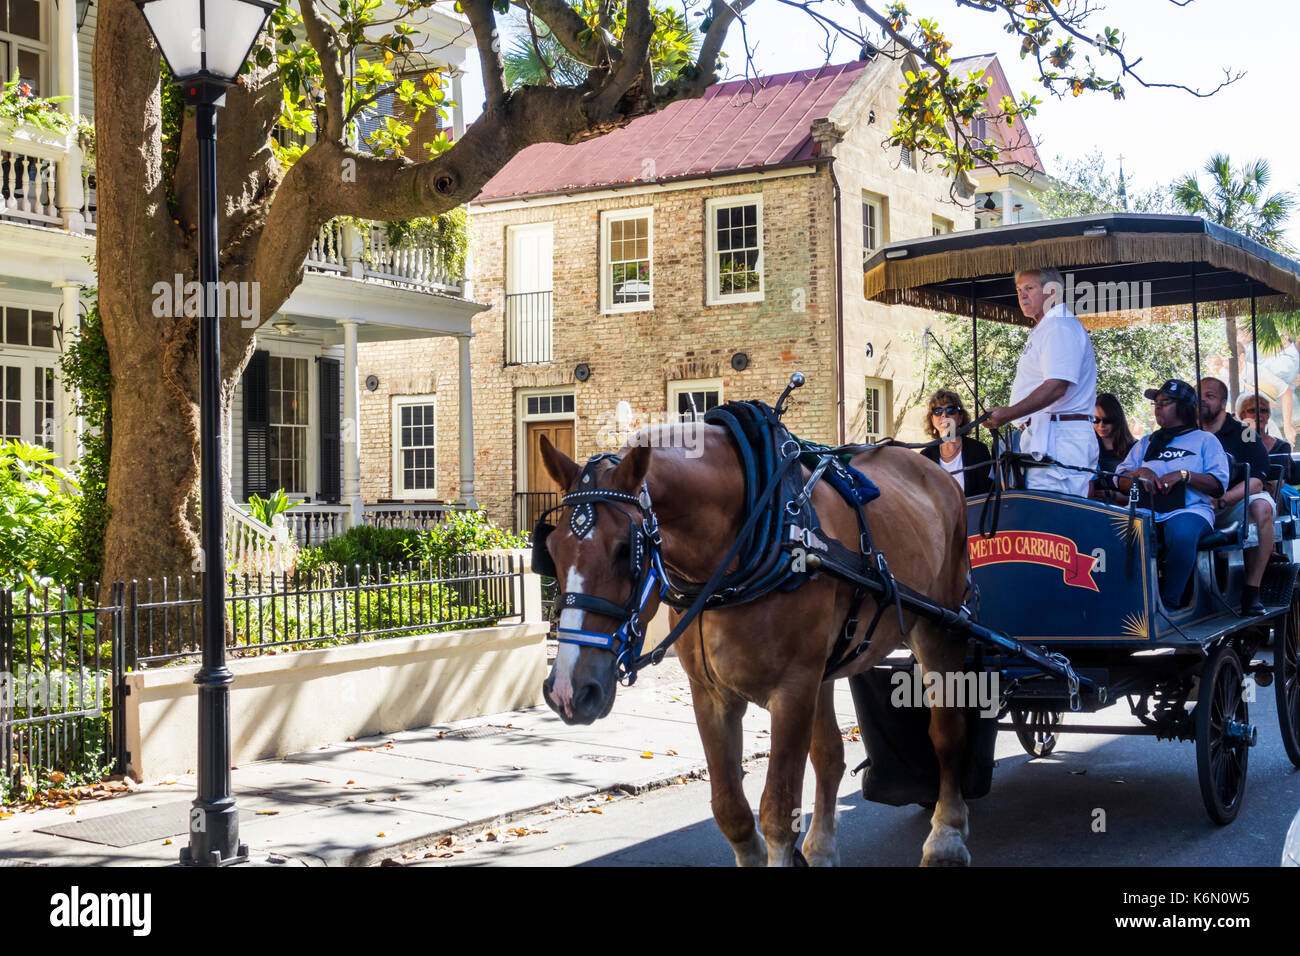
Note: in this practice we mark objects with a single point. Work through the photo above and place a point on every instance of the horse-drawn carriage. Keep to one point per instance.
(788, 565)
(1080, 577)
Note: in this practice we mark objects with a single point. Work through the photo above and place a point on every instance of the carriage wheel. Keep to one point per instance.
(1036, 730)
(1286, 678)
(1222, 736)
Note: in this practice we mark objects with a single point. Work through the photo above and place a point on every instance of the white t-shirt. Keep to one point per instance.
(1058, 347)
(954, 468)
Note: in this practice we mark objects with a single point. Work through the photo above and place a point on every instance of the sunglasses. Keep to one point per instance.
(948, 410)
(1105, 421)
(1165, 403)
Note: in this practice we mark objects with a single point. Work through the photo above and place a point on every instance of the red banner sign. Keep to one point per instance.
(1035, 547)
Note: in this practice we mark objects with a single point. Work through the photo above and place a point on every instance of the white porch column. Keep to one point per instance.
(351, 425)
(466, 437)
(1008, 207)
(458, 114)
(354, 251)
(69, 194)
(68, 440)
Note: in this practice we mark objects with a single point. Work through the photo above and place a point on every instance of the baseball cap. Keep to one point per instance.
(1176, 389)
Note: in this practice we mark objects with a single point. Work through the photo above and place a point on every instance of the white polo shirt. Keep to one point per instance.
(1058, 347)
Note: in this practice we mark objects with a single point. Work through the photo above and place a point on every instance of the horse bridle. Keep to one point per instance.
(645, 567)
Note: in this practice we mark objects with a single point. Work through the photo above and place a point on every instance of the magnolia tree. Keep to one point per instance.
(319, 67)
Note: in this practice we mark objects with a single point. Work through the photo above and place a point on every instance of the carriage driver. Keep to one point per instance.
(1055, 389)
(1188, 468)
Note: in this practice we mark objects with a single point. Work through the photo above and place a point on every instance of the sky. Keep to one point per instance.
(1162, 134)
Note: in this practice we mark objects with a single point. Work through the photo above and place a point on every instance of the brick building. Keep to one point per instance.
(698, 255)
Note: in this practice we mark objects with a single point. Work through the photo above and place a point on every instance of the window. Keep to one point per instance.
(626, 279)
(22, 43)
(34, 327)
(940, 226)
(529, 263)
(734, 230)
(27, 405)
(979, 129)
(415, 456)
(873, 224)
(288, 421)
(877, 408)
(690, 399)
(545, 405)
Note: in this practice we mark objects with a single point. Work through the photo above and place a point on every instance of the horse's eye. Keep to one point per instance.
(620, 557)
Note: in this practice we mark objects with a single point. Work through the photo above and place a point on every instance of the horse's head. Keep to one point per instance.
(604, 563)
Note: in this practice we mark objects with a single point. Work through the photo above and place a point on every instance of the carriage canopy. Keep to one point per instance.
(1119, 267)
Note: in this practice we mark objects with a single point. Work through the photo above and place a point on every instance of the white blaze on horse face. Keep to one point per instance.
(562, 688)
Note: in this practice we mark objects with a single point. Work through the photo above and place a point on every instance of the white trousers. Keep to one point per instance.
(1071, 443)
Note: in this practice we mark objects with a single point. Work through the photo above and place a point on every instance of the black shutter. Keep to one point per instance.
(331, 456)
(257, 426)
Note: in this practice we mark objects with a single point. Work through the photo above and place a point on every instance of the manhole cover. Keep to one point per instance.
(601, 758)
(475, 733)
(128, 828)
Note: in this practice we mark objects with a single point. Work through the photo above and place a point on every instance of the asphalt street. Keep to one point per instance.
(1096, 801)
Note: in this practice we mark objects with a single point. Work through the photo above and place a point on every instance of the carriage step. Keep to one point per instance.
(1278, 584)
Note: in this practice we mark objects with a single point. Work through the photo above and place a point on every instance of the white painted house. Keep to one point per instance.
(295, 414)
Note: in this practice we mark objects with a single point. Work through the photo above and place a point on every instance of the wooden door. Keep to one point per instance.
(542, 492)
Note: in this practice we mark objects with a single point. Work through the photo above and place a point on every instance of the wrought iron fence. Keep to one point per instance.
(64, 654)
(528, 327)
(61, 674)
(531, 505)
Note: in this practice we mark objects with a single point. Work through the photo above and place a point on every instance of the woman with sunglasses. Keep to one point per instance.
(944, 416)
(1256, 411)
(1114, 439)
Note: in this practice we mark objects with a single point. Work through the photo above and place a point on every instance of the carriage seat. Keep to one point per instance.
(1231, 528)
(1227, 536)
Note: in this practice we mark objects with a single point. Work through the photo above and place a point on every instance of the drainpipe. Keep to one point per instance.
(839, 304)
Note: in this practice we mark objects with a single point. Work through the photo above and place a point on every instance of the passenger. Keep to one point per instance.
(1188, 469)
(1055, 388)
(1113, 441)
(956, 456)
(1242, 445)
(1256, 412)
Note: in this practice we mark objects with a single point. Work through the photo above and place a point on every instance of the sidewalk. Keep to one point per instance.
(358, 802)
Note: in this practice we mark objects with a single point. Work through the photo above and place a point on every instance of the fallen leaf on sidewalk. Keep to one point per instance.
(268, 813)
(382, 833)
(560, 847)
(167, 842)
(672, 753)
(592, 810)
(4, 815)
(55, 776)
(647, 755)
(363, 748)
(448, 840)
(349, 783)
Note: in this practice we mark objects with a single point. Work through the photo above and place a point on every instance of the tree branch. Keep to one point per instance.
(324, 40)
(565, 23)
(482, 19)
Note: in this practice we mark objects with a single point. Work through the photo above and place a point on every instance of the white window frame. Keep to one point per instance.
(608, 216)
(546, 352)
(714, 280)
(886, 389)
(940, 226)
(42, 49)
(678, 386)
(28, 358)
(522, 417)
(398, 473)
(310, 428)
(877, 205)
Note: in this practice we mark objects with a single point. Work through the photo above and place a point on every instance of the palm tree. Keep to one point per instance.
(673, 46)
(1236, 199)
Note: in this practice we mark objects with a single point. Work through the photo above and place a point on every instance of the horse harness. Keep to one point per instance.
(779, 545)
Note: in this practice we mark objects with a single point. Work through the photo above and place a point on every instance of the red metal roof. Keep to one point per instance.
(739, 124)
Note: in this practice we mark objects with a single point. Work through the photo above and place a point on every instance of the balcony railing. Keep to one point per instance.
(341, 249)
(42, 181)
(528, 327)
(415, 517)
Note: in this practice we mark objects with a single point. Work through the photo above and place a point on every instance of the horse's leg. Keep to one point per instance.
(718, 719)
(792, 708)
(941, 653)
(827, 753)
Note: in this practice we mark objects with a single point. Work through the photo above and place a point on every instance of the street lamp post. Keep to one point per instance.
(205, 44)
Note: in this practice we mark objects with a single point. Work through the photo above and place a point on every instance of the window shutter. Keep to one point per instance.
(257, 428)
(331, 454)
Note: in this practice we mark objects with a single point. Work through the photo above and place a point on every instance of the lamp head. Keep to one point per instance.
(205, 42)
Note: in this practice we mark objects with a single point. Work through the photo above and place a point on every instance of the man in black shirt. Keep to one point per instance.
(1242, 444)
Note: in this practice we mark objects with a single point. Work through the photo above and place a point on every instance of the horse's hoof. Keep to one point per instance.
(945, 847)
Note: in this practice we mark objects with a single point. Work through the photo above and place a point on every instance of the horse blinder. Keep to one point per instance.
(542, 562)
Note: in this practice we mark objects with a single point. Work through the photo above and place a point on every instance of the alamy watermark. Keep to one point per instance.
(242, 300)
(974, 689)
(623, 426)
(51, 691)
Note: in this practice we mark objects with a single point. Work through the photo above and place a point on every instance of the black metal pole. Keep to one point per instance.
(214, 819)
(975, 352)
(1196, 341)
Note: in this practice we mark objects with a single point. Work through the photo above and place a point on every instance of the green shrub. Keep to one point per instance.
(265, 509)
(462, 533)
(38, 518)
(363, 545)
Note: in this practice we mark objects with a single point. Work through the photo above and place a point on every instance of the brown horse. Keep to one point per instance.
(771, 651)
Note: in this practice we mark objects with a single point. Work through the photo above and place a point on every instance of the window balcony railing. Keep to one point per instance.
(528, 327)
